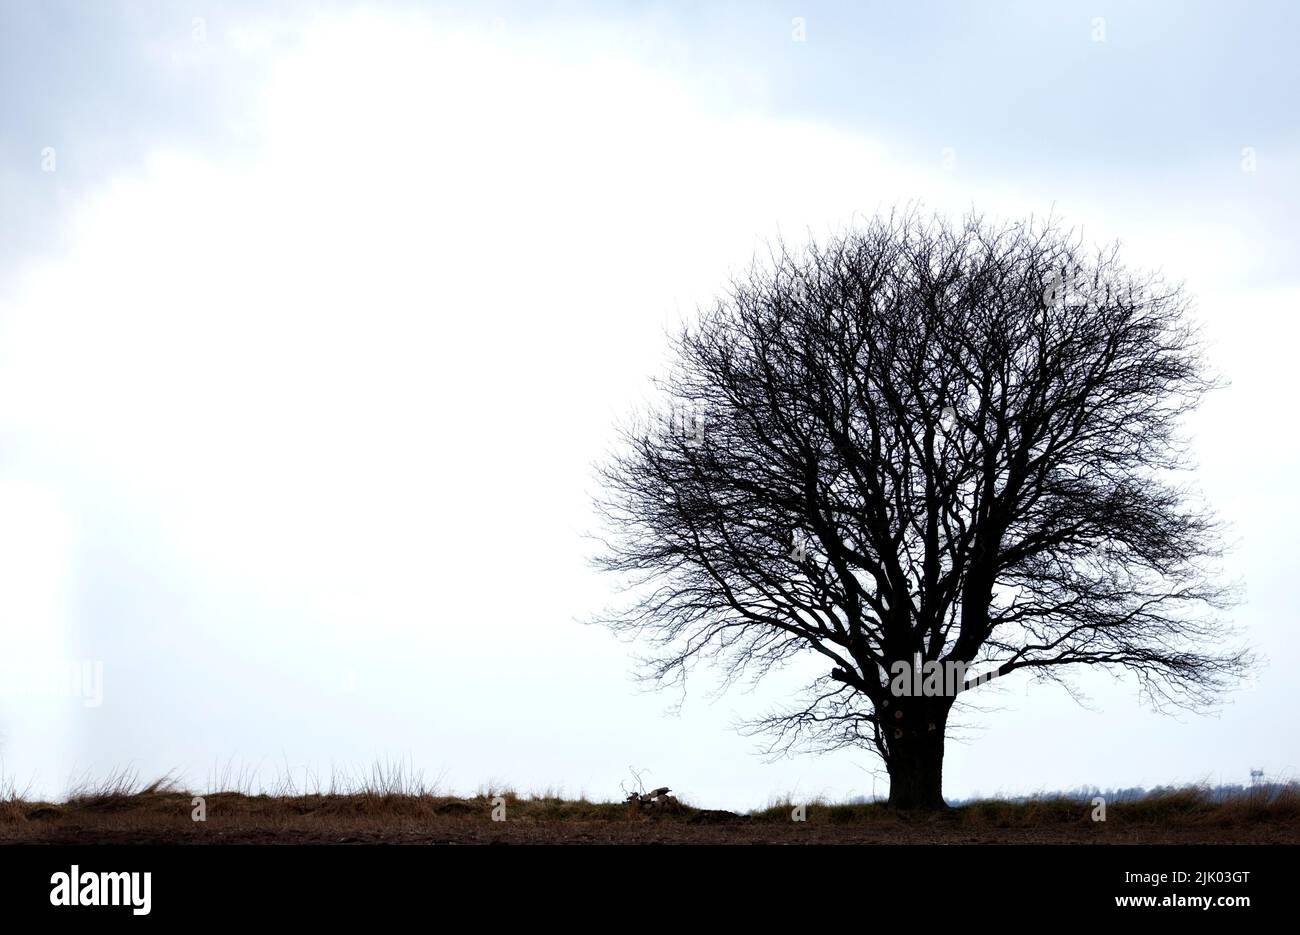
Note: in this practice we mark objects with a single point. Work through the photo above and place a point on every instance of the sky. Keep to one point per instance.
(314, 319)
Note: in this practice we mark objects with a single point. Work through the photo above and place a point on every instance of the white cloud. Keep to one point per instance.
(363, 374)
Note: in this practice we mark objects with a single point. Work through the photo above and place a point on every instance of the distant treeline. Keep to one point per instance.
(1265, 791)
(1221, 793)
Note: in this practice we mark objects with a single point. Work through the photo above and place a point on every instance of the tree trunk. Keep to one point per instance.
(915, 762)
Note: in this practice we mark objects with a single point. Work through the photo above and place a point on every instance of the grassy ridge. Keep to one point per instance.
(400, 798)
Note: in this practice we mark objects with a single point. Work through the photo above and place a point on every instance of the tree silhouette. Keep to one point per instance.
(920, 449)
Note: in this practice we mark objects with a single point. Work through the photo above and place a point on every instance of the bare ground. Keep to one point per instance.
(164, 817)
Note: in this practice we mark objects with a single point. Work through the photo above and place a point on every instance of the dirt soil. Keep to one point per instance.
(238, 819)
(449, 832)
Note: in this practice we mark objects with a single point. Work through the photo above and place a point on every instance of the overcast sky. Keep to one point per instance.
(314, 318)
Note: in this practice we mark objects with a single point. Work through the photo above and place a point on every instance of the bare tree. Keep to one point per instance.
(922, 449)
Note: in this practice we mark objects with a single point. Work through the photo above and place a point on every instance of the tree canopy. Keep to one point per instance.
(916, 445)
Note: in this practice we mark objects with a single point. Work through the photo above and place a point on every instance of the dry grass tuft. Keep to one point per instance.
(120, 789)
